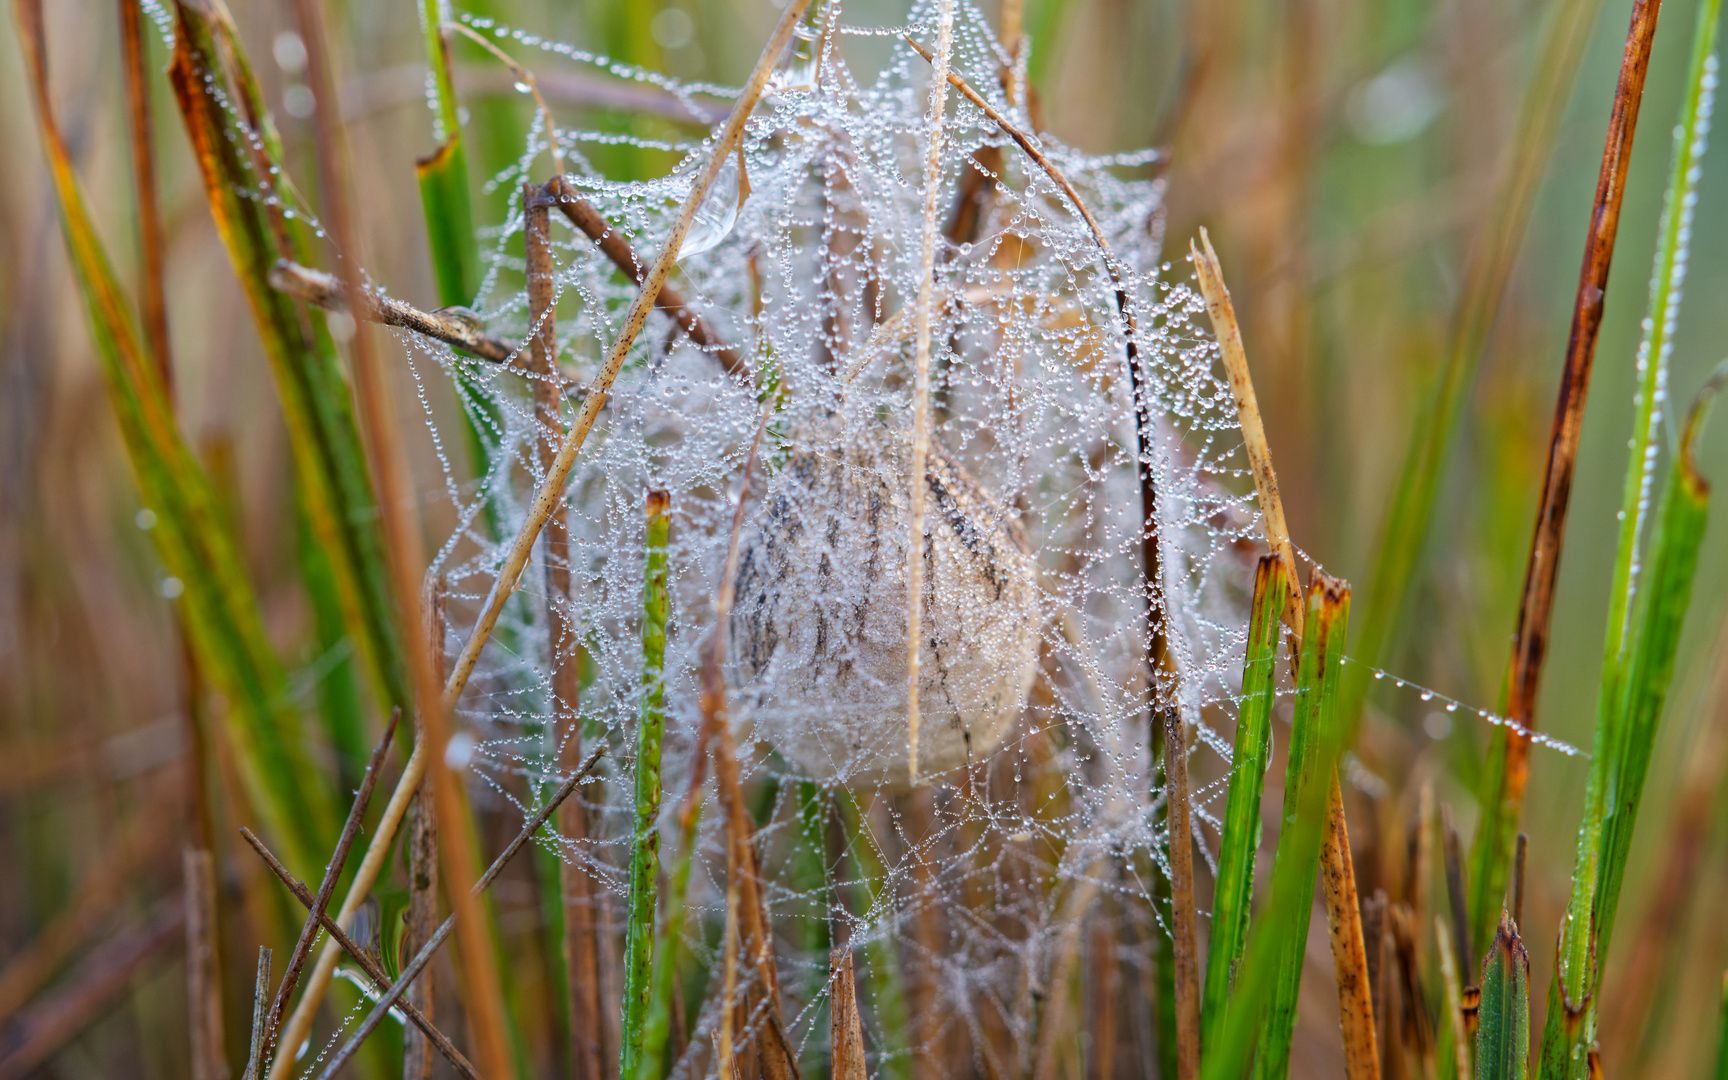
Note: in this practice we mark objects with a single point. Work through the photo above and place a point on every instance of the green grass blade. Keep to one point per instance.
(1270, 973)
(1625, 737)
(330, 466)
(657, 1021)
(448, 205)
(1235, 880)
(191, 534)
(1503, 1017)
(1316, 739)
(645, 847)
(443, 177)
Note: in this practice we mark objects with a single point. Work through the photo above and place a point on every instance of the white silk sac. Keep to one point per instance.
(819, 622)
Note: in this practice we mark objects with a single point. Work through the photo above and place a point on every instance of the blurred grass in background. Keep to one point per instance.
(1346, 155)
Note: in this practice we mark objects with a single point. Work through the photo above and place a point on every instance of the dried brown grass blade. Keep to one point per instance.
(480, 985)
(1509, 762)
(845, 1029)
(1185, 942)
(580, 945)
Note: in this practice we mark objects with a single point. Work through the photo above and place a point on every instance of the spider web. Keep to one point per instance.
(1035, 831)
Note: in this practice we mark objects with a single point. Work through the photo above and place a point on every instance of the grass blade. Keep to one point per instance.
(1508, 757)
(236, 153)
(1625, 738)
(645, 848)
(191, 535)
(1235, 880)
(1315, 743)
(448, 204)
(1503, 1017)
(1260, 1017)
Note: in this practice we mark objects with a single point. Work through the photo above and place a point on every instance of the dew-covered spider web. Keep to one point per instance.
(1026, 859)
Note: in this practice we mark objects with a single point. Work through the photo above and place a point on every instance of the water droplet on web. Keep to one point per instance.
(717, 215)
(522, 87)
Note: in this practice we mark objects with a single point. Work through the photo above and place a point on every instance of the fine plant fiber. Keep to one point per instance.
(191, 534)
(1251, 756)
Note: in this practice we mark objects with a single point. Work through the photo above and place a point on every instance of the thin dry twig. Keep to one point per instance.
(435, 1038)
(321, 903)
(455, 327)
(260, 1003)
(613, 244)
(412, 970)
